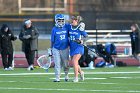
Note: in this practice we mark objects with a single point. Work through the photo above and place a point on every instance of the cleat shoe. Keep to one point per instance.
(30, 68)
(109, 66)
(82, 76)
(56, 80)
(75, 80)
(10, 68)
(66, 78)
(5, 69)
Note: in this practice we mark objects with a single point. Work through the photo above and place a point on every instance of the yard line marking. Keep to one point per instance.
(8, 81)
(108, 83)
(85, 78)
(134, 77)
(122, 77)
(136, 72)
(94, 78)
(82, 90)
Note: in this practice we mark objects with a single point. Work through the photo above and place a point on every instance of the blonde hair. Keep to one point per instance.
(78, 18)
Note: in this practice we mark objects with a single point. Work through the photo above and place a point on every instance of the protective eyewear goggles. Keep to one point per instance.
(60, 20)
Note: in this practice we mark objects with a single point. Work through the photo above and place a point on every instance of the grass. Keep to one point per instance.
(99, 80)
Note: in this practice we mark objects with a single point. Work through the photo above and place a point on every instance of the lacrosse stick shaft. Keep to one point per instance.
(13, 61)
(90, 49)
(137, 27)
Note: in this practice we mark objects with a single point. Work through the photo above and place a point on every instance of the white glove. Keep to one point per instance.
(82, 26)
(50, 51)
(26, 36)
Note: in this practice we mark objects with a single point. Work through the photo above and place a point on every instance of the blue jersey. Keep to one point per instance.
(74, 34)
(59, 38)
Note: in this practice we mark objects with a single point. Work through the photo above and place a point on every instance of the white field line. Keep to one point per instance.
(107, 83)
(126, 77)
(52, 82)
(85, 78)
(122, 77)
(136, 72)
(78, 90)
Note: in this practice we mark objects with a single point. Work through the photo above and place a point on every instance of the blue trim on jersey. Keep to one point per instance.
(59, 38)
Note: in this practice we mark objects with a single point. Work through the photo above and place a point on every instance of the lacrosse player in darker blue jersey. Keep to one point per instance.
(76, 32)
(60, 47)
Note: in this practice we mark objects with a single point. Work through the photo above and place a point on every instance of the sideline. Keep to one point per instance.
(82, 90)
(11, 74)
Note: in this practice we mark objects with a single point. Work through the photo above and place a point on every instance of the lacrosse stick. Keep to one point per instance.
(94, 51)
(45, 61)
(13, 61)
(137, 27)
(79, 42)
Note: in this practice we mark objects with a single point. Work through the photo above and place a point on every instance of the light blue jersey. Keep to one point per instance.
(59, 38)
(74, 34)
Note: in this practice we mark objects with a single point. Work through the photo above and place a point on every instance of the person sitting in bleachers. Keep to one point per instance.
(87, 58)
(106, 53)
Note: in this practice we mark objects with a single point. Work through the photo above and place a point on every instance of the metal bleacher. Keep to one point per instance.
(112, 36)
(120, 38)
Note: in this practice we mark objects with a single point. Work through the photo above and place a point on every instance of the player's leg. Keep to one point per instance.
(81, 73)
(57, 67)
(76, 66)
(4, 60)
(30, 55)
(65, 60)
(10, 59)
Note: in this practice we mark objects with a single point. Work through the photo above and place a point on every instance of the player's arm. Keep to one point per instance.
(36, 35)
(21, 35)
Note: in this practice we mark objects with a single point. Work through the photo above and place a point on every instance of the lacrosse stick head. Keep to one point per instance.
(44, 61)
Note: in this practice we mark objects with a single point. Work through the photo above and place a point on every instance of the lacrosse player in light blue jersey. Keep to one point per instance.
(76, 32)
(60, 47)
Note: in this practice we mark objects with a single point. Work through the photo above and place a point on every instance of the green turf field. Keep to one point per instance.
(99, 80)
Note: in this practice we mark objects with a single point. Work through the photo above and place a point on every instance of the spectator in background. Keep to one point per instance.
(29, 37)
(84, 60)
(134, 35)
(6, 46)
(88, 57)
(102, 52)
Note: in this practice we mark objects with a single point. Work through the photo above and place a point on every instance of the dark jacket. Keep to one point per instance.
(6, 39)
(33, 40)
(135, 41)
